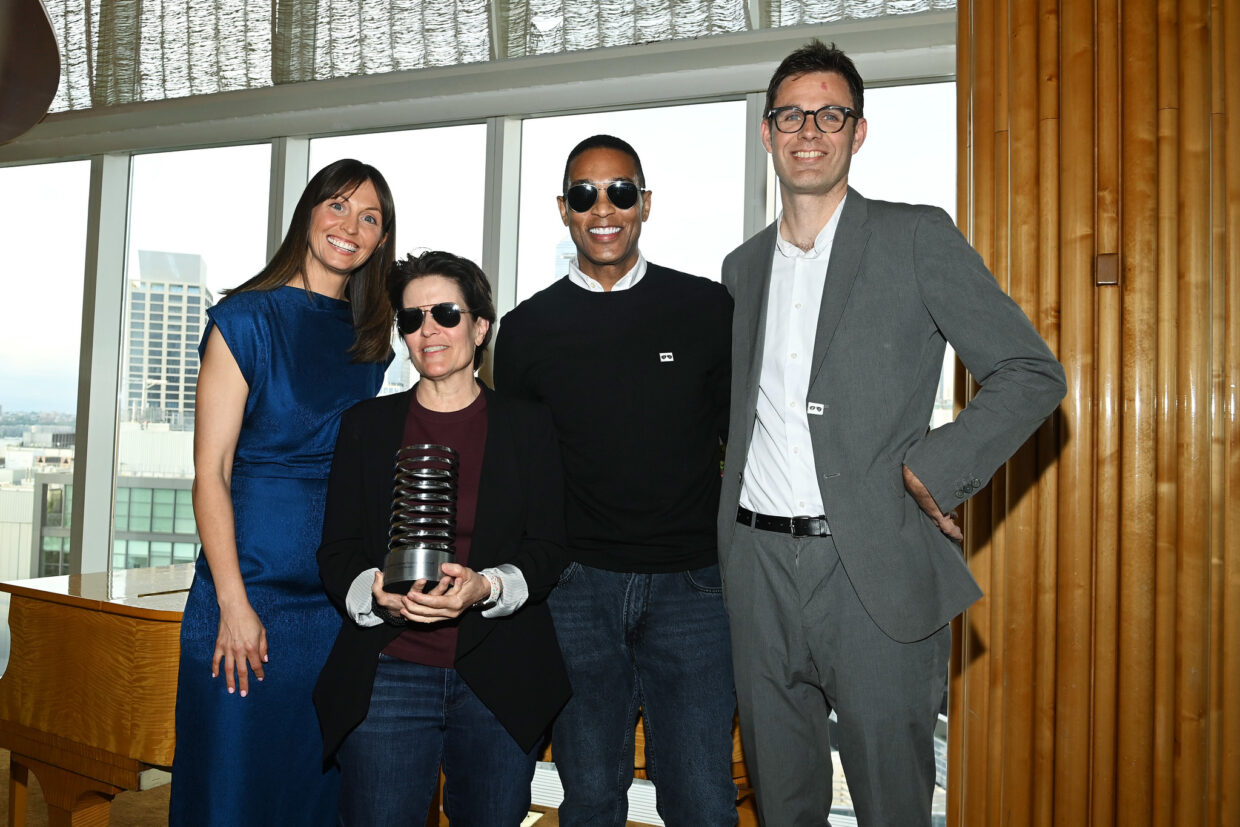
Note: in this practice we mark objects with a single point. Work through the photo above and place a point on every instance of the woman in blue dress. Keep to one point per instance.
(282, 356)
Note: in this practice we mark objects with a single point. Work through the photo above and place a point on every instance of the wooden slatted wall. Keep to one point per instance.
(1098, 683)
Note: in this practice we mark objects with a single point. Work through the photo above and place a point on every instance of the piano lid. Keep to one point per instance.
(156, 593)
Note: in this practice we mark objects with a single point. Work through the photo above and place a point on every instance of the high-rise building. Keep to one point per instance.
(164, 315)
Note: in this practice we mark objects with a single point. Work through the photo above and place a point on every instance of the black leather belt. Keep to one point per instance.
(796, 526)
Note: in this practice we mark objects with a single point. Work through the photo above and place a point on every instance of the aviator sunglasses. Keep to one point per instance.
(446, 314)
(622, 195)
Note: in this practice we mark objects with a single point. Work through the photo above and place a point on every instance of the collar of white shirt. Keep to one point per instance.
(822, 244)
(628, 280)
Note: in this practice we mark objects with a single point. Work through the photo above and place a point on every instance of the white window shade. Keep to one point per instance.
(803, 12)
(127, 51)
(537, 27)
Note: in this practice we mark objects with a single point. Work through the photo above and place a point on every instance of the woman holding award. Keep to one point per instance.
(466, 674)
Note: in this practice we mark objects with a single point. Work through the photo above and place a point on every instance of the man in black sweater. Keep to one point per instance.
(633, 360)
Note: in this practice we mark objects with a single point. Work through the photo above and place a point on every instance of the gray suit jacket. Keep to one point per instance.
(901, 281)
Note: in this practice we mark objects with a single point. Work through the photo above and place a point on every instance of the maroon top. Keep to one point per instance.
(465, 431)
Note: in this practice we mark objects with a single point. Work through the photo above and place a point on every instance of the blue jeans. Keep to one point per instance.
(421, 717)
(658, 643)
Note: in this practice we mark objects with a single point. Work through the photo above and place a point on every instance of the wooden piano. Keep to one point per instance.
(87, 701)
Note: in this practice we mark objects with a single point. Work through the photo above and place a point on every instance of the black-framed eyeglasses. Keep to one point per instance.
(446, 314)
(623, 195)
(828, 119)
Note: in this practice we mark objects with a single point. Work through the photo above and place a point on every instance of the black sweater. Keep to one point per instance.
(637, 382)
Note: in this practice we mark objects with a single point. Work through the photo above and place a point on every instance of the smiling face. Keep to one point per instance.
(605, 237)
(810, 162)
(443, 354)
(345, 230)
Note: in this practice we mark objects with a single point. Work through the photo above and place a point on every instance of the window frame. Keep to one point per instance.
(500, 94)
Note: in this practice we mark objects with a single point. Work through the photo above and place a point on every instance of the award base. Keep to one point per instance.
(405, 566)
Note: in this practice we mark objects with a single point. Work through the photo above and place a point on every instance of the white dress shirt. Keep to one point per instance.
(359, 601)
(780, 478)
(626, 281)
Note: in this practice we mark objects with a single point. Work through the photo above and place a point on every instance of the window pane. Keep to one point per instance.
(437, 181)
(902, 160)
(138, 556)
(55, 556)
(697, 214)
(910, 146)
(198, 225)
(54, 507)
(40, 336)
(184, 518)
(436, 176)
(161, 553)
(184, 552)
(140, 510)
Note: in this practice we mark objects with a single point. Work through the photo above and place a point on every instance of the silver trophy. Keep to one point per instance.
(423, 527)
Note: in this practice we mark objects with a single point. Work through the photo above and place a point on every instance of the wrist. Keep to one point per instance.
(497, 589)
(387, 615)
(233, 601)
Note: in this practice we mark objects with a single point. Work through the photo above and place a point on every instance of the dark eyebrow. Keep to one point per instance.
(803, 109)
(615, 180)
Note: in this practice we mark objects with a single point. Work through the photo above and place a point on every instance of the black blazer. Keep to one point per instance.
(511, 663)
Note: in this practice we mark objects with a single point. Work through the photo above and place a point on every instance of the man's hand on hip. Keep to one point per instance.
(946, 522)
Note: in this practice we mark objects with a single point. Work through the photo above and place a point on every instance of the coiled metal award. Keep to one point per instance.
(423, 527)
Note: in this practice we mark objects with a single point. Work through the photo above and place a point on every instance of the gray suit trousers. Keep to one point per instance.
(802, 646)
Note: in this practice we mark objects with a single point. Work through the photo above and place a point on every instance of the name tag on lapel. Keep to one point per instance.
(814, 408)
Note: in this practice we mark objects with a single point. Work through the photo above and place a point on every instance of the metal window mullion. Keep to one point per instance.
(103, 294)
(757, 193)
(290, 170)
(501, 213)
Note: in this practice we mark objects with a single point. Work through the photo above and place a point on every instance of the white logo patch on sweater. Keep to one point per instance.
(666, 357)
(815, 408)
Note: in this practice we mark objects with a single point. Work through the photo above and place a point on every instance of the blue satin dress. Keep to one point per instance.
(258, 759)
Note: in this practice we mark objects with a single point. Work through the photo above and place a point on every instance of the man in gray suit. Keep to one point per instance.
(836, 534)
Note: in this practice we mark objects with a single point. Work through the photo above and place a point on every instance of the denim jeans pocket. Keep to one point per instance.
(707, 580)
(570, 571)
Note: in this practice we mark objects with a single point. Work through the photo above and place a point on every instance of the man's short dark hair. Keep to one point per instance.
(606, 142)
(817, 57)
